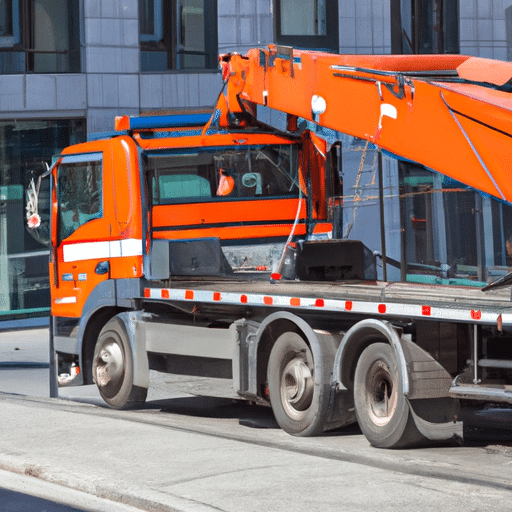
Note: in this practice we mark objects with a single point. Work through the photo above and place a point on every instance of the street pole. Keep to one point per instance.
(54, 386)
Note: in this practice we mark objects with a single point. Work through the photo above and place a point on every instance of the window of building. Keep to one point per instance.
(177, 34)
(452, 234)
(40, 36)
(9, 28)
(308, 24)
(24, 284)
(425, 26)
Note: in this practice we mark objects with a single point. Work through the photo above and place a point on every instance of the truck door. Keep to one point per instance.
(95, 226)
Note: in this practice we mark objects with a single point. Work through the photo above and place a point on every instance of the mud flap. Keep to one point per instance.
(437, 431)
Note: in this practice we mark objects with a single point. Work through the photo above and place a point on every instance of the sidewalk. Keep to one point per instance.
(190, 453)
(163, 462)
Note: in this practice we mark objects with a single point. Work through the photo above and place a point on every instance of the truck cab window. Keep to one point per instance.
(223, 174)
(79, 194)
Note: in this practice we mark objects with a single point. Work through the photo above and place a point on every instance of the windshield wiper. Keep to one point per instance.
(505, 280)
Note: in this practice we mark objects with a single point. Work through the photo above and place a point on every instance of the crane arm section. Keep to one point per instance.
(450, 113)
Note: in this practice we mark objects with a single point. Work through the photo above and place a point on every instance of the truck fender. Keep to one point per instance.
(322, 355)
(134, 326)
(355, 340)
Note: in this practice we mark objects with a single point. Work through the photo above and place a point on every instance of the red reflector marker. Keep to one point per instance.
(275, 276)
(165, 294)
(268, 301)
(426, 310)
(319, 303)
(216, 296)
(244, 299)
(382, 308)
(348, 305)
(189, 295)
(147, 292)
(476, 315)
(294, 301)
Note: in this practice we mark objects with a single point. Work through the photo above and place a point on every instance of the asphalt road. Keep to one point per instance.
(11, 501)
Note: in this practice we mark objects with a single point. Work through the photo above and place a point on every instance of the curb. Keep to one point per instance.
(145, 500)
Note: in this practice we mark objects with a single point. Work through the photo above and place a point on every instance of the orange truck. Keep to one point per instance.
(350, 266)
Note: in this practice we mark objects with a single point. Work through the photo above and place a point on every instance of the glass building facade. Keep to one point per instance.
(68, 67)
(24, 148)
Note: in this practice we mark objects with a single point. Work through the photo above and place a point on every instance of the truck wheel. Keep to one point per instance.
(299, 404)
(112, 368)
(381, 409)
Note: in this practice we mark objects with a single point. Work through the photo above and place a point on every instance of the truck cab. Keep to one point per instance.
(127, 204)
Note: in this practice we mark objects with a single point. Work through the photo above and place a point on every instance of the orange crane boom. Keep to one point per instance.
(450, 113)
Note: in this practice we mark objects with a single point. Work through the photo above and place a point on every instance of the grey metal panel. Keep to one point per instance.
(95, 90)
(169, 89)
(130, 32)
(109, 92)
(66, 345)
(110, 31)
(93, 31)
(188, 340)
(71, 91)
(209, 87)
(92, 8)
(41, 92)
(11, 92)
(128, 90)
(152, 85)
(157, 262)
(126, 290)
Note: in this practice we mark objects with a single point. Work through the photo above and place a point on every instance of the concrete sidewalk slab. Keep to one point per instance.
(158, 462)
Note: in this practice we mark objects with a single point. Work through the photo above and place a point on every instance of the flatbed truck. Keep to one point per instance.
(353, 267)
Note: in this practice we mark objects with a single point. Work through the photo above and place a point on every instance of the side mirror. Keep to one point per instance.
(38, 209)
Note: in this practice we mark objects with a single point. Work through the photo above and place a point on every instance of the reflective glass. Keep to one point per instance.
(177, 34)
(245, 173)
(310, 19)
(79, 195)
(24, 145)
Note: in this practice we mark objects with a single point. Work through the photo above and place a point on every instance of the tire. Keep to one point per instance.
(112, 368)
(298, 397)
(381, 408)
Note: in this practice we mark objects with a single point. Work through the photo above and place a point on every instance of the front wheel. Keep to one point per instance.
(298, 395)
(381, 408)
(113, 368)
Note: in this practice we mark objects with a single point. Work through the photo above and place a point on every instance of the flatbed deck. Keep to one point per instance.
(412, 300)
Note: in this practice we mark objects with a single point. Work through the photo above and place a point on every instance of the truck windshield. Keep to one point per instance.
(223, 173)
(79, 192)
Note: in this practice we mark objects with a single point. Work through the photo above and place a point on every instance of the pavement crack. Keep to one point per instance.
(213, 475)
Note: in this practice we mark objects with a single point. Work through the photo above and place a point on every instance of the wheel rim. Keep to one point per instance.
(110, 366)
(297, 387)
(381, 393)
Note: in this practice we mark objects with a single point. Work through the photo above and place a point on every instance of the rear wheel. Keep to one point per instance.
(298, 397)
(381, 408)
(113, 368)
